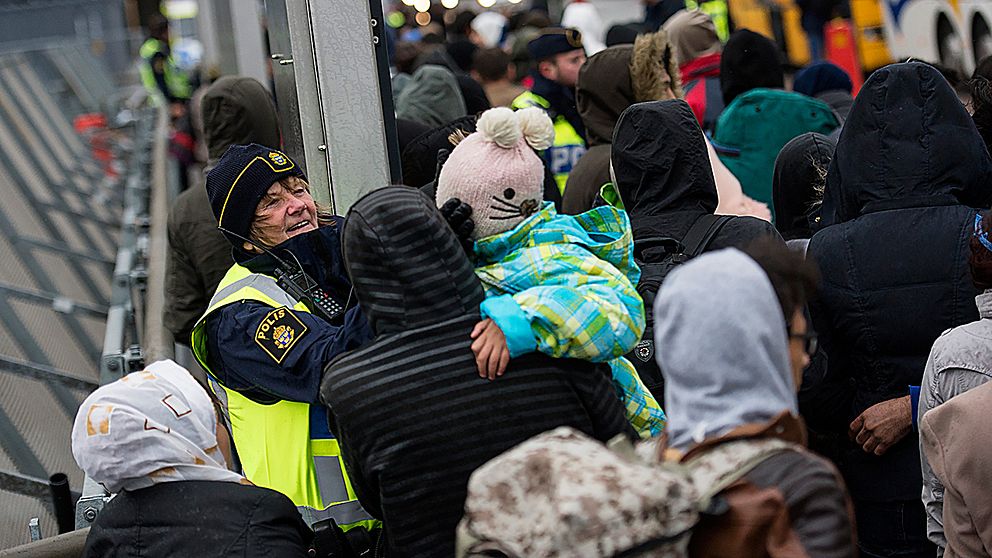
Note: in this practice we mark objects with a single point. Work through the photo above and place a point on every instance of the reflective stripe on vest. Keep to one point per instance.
(175, 79)
(273, 441)
(568, 146)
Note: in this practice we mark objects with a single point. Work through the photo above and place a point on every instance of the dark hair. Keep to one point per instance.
(980, 258)
(463, 23)
(980, 87)
(157, 25)
(793, 277)
(491, 63)
(405, 56)
(537, 18)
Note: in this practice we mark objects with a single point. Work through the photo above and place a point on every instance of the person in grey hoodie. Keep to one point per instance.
(960, 361)
(236, 110)
(432, 97)
(730, 339)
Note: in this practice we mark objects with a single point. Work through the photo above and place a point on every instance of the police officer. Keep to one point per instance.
(280, 314)
(159, 74)
(558, 54)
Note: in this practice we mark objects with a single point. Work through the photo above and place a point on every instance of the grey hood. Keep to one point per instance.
(238, 111)
(432, 97)
(722, 347)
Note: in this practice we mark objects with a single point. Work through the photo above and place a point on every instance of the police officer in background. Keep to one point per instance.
(280, 314)
(558, 54)
(163, 80)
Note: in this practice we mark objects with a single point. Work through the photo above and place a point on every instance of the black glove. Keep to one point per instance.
(442, 158)
(459, 217)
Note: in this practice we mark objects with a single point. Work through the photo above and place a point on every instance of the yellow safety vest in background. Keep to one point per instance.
(274, 441)
(568, 146)
(717, 10)
(175, 79)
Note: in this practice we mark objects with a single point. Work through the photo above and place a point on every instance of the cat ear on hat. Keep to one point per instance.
(537, 128)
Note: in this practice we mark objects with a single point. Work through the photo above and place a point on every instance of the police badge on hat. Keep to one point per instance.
(278, 332)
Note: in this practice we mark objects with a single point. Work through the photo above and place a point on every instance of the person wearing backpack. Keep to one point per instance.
(662, 174)
(733, 342)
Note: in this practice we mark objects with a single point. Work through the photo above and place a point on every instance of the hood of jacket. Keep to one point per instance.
(821, 76)
(722, 346)
(615, 78)
(693, 34)
(800, 169)
(406, 265)
(432, 97)
(908, 141)
(749, 61)
(419, 157)
(238, 111)
(660, 165)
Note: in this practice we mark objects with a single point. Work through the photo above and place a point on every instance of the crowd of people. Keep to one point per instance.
(655, 297)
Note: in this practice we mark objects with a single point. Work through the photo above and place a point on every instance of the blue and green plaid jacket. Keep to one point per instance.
(563, 285)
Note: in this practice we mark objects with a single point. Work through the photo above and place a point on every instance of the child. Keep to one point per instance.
(562, 285)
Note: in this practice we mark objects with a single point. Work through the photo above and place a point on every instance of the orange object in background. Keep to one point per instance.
(93, 127)
(842, 50)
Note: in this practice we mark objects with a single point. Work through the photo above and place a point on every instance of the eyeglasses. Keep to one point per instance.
(810, 342)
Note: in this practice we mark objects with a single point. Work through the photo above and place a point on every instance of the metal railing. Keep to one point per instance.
(134, 329)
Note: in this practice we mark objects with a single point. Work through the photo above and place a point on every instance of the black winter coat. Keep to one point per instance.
(664, 177)
(410, 409)
(908, 168)
(202, 519)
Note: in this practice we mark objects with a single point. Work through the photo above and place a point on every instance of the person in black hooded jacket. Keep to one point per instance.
(662, 172)
(749, 61)
(797, 185)
(908, 168)
(411, 411)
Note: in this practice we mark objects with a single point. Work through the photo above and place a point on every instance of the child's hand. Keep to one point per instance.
(491, 352)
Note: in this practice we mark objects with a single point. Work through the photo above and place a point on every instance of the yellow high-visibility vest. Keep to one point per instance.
(568, 146)
(175, 79)
(274, 442)
(718, 12)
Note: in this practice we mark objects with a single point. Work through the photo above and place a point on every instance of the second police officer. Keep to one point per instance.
(558, 55)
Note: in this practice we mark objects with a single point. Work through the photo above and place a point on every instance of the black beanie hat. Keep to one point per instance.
(554, 41)
(240, 180)
(749, 61)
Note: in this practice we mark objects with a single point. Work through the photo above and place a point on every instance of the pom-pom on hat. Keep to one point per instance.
(496, 169)
(240, 180)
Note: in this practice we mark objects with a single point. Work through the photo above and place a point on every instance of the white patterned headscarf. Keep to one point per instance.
(150, 427)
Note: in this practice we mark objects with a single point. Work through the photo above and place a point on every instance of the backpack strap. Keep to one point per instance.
(702, 233)
(717, 469)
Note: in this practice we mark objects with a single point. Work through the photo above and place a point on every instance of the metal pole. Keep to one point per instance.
(346, 38)
(158, 342)
(249, 50)
(62, 501)
(301, 58)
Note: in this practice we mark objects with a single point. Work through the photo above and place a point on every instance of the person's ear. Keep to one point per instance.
(548, 70)
(511, 72)
(249, 247)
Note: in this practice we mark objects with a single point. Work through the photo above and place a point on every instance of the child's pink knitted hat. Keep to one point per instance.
(496, 170)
